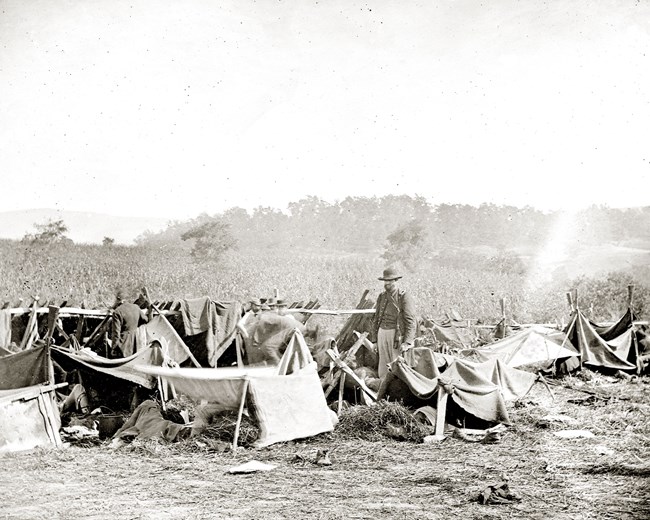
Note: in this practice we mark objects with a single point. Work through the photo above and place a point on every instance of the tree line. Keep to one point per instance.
(399, 222)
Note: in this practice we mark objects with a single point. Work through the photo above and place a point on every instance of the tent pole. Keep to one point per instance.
(235, 437)
(630, 295)
(163, 397)
(52, 317)
(238, 349)
(541, 378)
(31, 325)
(441, 410)
(341, 385)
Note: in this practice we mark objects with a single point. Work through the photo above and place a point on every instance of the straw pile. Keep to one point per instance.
(223, 429)
(384, 419)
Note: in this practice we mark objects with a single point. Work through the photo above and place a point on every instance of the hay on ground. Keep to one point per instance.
(381, 420)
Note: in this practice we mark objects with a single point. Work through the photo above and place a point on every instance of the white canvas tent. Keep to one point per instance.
(29, 418)
(286, 400)
(530, 346)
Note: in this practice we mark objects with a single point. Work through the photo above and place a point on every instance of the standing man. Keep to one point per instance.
(126, 319)
(393, 325)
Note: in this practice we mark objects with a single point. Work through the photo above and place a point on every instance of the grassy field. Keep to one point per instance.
(603, 477)
(90, 274)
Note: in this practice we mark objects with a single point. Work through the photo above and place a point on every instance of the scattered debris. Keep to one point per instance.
(433, 439)
(489, 436)
(77, 432)
(618, 468)
(524, 403)
(574, 434)
(322, 458)
(590, 400)
(211, 444)
(498, 493)
(603, 450)
(559, 418)
(550, 420)
(251, 466)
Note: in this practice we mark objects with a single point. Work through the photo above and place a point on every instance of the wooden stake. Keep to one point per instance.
(95, 333)
(569, 300)
(238, 348)
(441, 410)
(361, 341)
(52, 318)
(541, 378)
(163, 394)
(286, 357)
(341, 386)
(31, 324)
(341, 364)
(80, 328)
(630, 295)
(235, 437)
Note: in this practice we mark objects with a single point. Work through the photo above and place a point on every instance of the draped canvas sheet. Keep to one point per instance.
(286, 407)
(513, 383)
(524, 348)
(159, 329)
(479, 388)
(26, 368)
(453, 333)
(469, 388)
(218, 320)
(289, 407)
(613, 331)
(123, 368)
(595, 351)
(221, 386)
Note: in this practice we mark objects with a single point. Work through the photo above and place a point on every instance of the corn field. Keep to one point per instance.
(90, 274)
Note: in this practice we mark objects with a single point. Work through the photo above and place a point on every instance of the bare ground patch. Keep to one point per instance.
(602, 477)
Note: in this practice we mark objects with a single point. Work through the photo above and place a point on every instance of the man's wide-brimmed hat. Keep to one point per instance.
(390, 274)
(281, 303)
(256, 301)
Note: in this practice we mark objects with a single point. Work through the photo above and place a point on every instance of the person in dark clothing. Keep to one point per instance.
(126, 319)
(394, 321)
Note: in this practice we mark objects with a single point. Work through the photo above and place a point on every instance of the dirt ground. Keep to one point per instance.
(607, 476)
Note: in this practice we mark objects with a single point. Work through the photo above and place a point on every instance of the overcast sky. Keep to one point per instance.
(173, 108)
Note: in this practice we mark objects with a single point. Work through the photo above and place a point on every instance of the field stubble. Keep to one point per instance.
(605, 477)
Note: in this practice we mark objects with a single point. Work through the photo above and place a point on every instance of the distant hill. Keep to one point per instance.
(84, 227)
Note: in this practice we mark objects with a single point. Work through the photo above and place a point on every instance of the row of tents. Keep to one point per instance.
(46, 349)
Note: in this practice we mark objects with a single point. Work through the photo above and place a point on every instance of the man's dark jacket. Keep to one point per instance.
(126, 318)
(406, 321)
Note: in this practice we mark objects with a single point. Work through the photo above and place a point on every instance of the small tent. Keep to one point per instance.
(480, 389)
(616, 352)
(527, 347)
(29, 416)
(287, 400)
